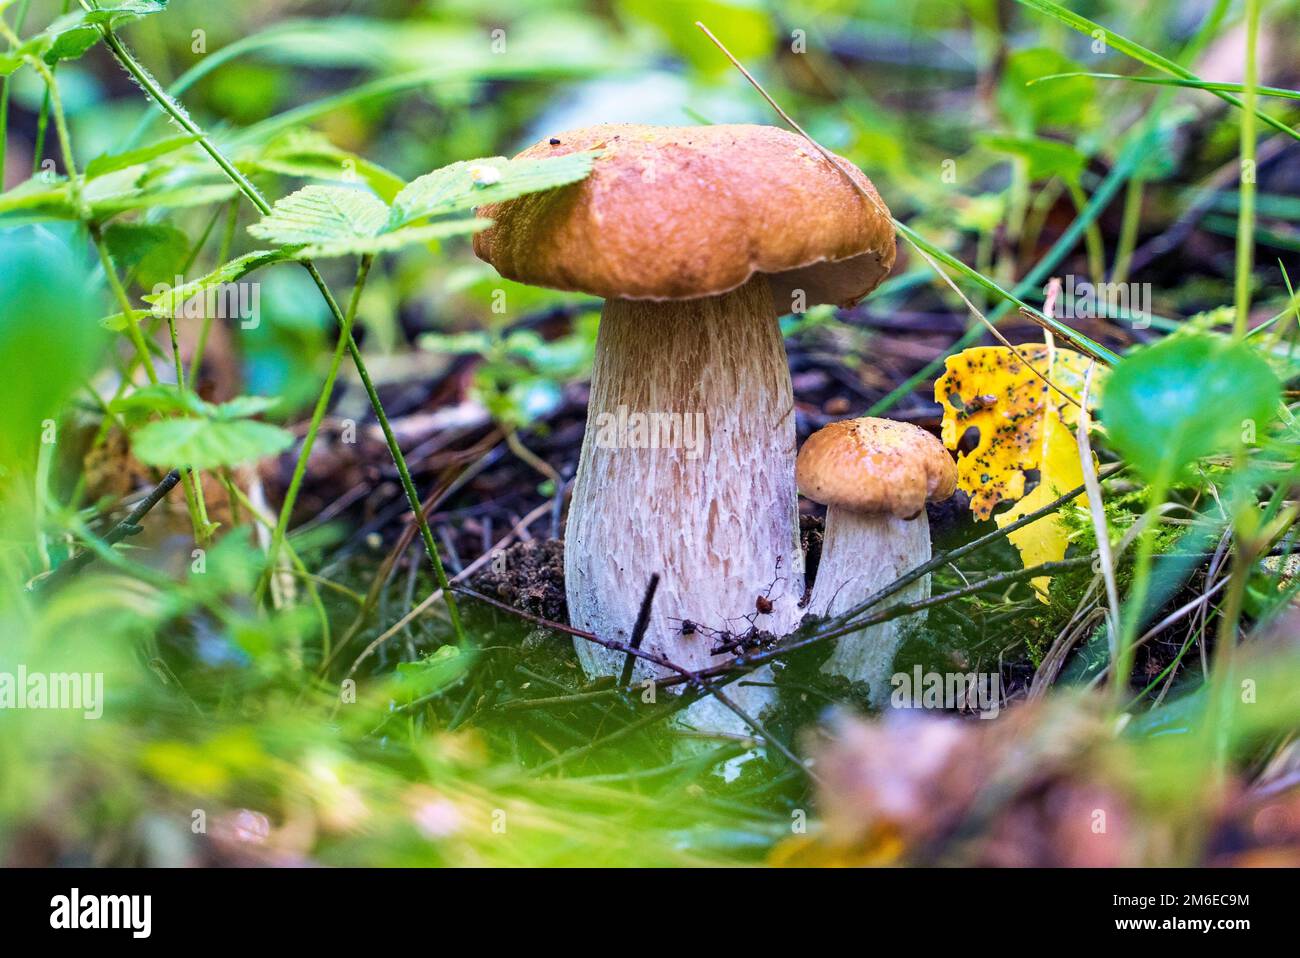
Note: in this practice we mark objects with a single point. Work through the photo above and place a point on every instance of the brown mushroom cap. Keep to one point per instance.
(875, 465)
(684, 212)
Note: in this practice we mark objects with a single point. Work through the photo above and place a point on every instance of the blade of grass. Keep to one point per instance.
(1140, 53)
(1210, 85)
(1246, 210)
(1126, 168)
(1083, 343)
(1076, 339)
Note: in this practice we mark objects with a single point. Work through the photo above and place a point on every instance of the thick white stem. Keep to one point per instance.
(861, 554)
(687, 470)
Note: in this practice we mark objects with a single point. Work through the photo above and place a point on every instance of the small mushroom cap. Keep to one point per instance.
(875, 465)
(685, 212)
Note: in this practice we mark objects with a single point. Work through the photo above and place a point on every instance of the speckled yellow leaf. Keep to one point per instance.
(1060, 471)
(1023, 424)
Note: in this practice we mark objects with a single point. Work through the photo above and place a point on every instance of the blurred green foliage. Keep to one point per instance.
(221, 704)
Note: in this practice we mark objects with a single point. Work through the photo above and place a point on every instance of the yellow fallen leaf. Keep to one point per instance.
(1059, 471)
(879, 848)
(1023, 424)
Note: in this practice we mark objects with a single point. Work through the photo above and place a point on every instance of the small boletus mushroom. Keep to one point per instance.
(874, 476)
(698, 238)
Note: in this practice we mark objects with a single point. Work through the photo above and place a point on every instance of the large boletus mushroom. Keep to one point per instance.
(698, 238)
(875, 477)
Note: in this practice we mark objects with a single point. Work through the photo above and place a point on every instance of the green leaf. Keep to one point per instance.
(1028, 108)
(1046, 158)
(241, 407)
(475, 342)
(112, 162)
(116, 322)
(170, 197)
(326, 221)
(207, 443)
(1186, 397)
(465, 185)
(68, 37)
(389, 242)
(153, 252)
(520, 402)
(309, 154)
(162, 398)
(168, 302)
(44, 194)
(322, 214)
(415, 680)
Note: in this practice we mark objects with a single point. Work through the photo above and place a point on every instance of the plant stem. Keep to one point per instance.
(43, 120)
(1242, 558)
(1128, 230)
(12, 35)
(124, 303)
(1246, 212)
(227, 238)
(61, 126)
(1092, 240)
(193, 488)
(193, 483)
(408, 486)
(1136, 599)
(178, 114)
(237, 495)
(1221, 676)
(317, 416)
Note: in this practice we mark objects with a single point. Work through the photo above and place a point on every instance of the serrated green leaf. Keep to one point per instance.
(167, 302)
(322, 215)
(207, 443)
(309, 154)
(68, 37)
(465, 185)
(389, 242)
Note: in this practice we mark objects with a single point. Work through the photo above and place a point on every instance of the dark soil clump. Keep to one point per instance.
(528, 576)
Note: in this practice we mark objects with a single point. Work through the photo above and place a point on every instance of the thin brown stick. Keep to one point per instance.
(127, 527)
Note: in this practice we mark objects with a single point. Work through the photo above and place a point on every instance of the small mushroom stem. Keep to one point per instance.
(687, 470)
(861, 554)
